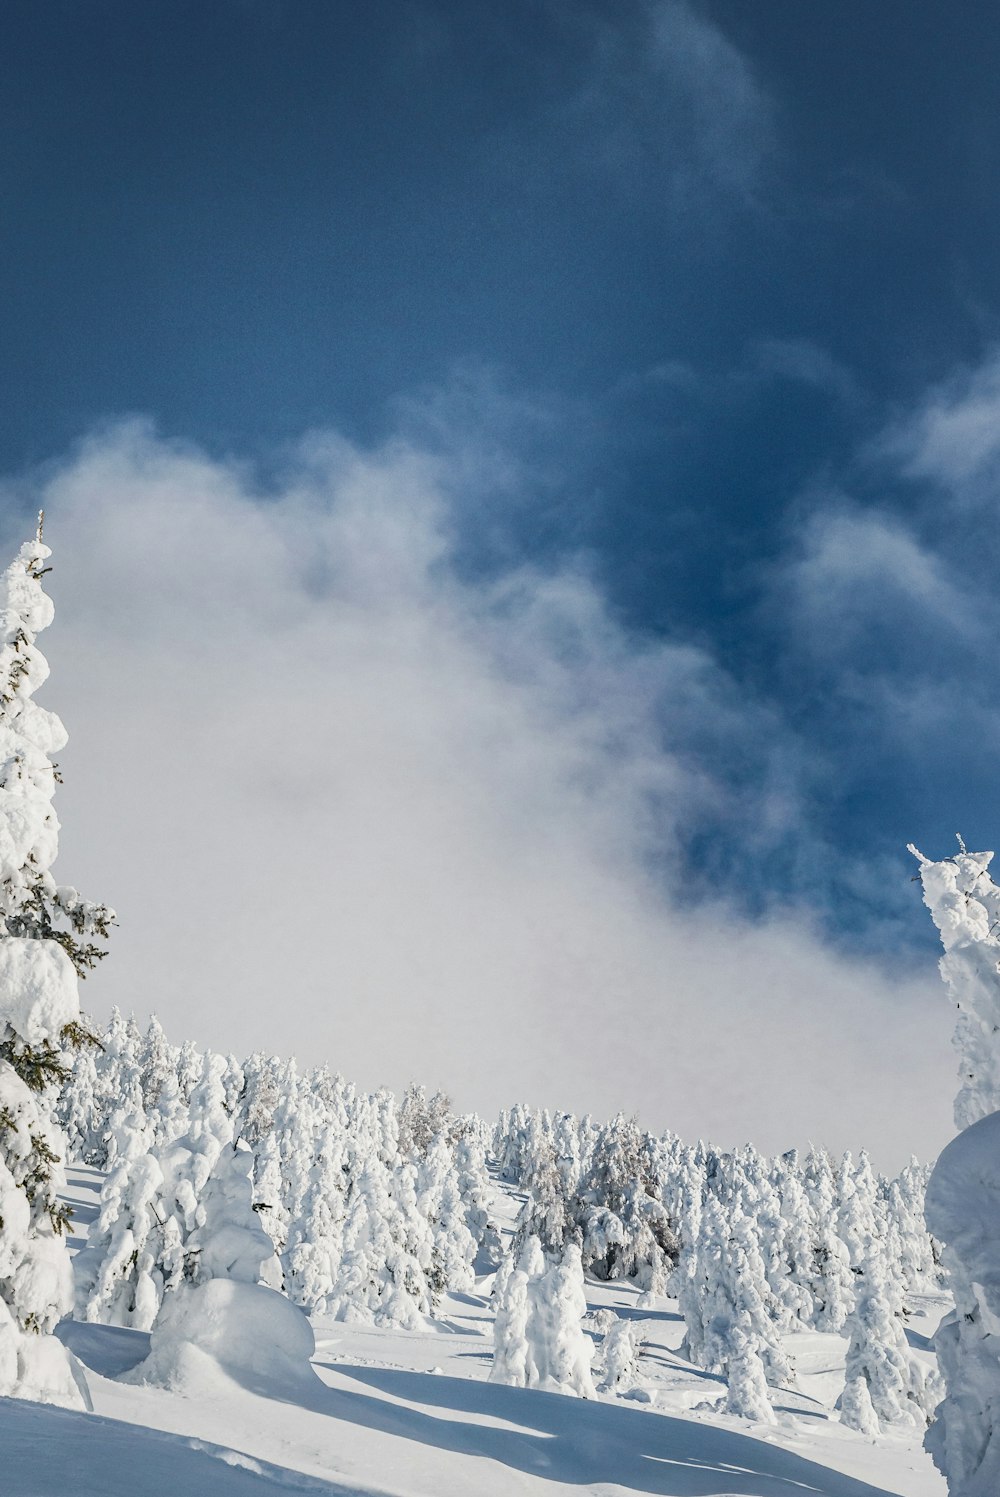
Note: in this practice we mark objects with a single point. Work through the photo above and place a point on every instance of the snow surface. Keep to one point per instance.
(411, 1414)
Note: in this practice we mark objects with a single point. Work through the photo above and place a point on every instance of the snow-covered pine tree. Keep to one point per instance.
(831, 1281)
(315, 1248)
(965, 906)
(380, 1278)
(964, 1439)
(157, 1061)
(963, 1212)
(439, 1201)
(538, 1337)
(797, 1240)
(884, 1384)
(511, 1349)
(619, 1357)
(48, 938)
(917, 1265)
(422, 1119)
(729, 1330)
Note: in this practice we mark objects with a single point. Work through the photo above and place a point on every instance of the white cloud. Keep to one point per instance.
(665, 104)
(731, 115)
(805, 362)
(953, 435)
(353, 806)
(852, 569)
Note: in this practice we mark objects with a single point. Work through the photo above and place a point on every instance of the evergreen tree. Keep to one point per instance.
(884, 1384)
(538, 1338)
(619, 1357)
(831, 1282)
(965, 906)
(158, 1062)
(48, 938)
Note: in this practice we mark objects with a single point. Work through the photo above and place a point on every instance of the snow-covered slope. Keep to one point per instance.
(410, 1413)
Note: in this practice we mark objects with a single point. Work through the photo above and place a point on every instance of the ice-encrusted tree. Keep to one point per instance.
(158, 1063)
(724, 1304)
(831, 1281)
(619, 1357)
(422, 1119)
(313, 1255)
(380, 1278)
(917, 1265)
(48, 937)
(964, 1187)
(963, 1212)
(538, 1337)
(797, 1242)
(439, 1201)
(965, 906)
(884, 1384)
(120, 1273)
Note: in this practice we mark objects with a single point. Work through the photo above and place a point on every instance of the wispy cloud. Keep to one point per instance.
(852, 571)
(953, 434)
(663, 103)
(704, 77)
(804, 362)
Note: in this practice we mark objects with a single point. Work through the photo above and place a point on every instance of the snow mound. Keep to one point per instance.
(254, 1335)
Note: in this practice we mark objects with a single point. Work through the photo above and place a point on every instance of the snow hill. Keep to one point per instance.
(395, 1411)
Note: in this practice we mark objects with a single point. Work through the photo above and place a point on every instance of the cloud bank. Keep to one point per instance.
(353, 805)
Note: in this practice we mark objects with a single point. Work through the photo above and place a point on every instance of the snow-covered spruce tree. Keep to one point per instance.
(47, 940)
(729, 1330)
(831, 1281)
(917, 1265)
(619, 1357)
(965, 906)
(963, 1189)
(546, 1213)
(422, 1120)
(77, 1110)
(380, 1278)
(963, 1212)
(538, 1337)
(119, 1072)
(511, 1351)
(683, 1201)
(884, 1384)
(856, 1214)
(474, 1188)
(798, 1240)
(560, 1349)
(439, 1201)
(313, 1254)
(158, 1063)
(120, 1273)
(625, 1226)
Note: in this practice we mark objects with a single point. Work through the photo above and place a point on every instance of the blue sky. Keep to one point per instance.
(698, 300)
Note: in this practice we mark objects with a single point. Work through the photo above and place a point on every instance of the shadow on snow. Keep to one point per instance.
(47, 1450)
(584, 1443)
